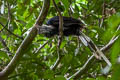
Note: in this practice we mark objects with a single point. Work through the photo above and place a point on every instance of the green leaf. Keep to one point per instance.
(115, 51)
(90, 79)
(3, 55)
(62, 44)
(114, 20)
(48, 74)
(66, 4)
(67, 59)
(57, 1)
(17, 31)
(116, 72)
(113, 23)
(83, 5)
(60, 78)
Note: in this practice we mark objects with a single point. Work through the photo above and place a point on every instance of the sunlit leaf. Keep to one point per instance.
(66, 4)
(115, 51)
(113, 23)
(59, 78)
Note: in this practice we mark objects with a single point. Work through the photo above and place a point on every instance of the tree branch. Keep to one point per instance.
(26, 42)
(82, 68)
(60, 19)
(53, 67)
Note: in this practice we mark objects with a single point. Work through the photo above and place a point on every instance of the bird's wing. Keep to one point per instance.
(67, 22)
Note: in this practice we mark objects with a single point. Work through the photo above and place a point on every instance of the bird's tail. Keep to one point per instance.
(96, 51)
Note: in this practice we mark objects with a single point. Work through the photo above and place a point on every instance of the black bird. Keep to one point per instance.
(71, 26)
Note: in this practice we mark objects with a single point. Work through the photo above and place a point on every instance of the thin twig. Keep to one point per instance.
(82, 68)
(59, 38)
(54, 66)
(109, 45)
(41, 47)
(5, 45)
(103, 15)
(9, 15)
(4, 27)
(60, 19)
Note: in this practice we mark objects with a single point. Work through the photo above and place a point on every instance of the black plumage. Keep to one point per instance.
(71, 26)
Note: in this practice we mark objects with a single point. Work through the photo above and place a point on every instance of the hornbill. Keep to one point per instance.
(71, 26)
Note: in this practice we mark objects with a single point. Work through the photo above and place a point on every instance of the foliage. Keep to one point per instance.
(102, 18)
